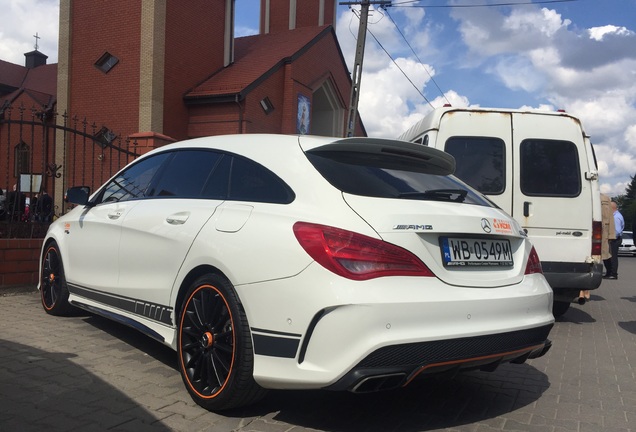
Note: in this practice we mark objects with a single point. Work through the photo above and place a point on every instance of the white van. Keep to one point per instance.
(540, 167)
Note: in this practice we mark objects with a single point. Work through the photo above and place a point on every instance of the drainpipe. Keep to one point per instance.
(240, 113)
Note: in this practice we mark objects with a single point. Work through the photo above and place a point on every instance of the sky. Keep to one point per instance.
(575, 55)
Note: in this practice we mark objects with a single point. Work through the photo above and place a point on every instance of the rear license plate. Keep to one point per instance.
(476, 252)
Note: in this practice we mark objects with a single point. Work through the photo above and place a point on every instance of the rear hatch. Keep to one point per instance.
(405, 192)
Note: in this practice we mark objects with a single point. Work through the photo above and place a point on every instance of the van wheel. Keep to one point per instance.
(559, 308)
(216, 359)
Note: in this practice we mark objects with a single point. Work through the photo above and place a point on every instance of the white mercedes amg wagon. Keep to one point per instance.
(287, 262)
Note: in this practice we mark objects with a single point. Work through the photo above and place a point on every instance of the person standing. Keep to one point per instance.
(619, 225)
(608, 233)
(15, 204)
(44, 207)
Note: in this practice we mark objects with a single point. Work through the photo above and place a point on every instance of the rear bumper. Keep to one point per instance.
(565, 276)
(326, 329)
(397, 365)
(627, 251)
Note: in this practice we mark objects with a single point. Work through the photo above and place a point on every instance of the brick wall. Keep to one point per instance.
(19, 261)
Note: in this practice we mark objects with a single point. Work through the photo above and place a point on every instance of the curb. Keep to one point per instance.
(6, 291)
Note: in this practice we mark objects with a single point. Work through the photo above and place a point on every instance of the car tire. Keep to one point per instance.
(559, 308)
(214, 346)
(53, 288)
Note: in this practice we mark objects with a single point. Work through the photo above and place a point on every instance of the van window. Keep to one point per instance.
(550, 168)
(422, 140)
(480, 162)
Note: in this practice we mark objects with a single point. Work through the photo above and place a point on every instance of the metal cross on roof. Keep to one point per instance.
(36, 40)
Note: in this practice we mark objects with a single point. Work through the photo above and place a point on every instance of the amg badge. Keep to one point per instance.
(412, 227)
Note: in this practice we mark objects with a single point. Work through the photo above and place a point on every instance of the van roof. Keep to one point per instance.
(433, 118)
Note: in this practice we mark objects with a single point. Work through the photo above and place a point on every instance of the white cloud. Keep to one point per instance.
(523, 51)
(517, 73)
(22, 20)
(590, 73)
(387, 103)
(598, 33)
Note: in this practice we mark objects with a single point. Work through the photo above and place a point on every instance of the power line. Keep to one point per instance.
(401, 70)
(356, 77)
(416, 56)
(401, 4)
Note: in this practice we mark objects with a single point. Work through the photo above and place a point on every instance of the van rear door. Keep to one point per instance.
(481, 143)
(552, 198)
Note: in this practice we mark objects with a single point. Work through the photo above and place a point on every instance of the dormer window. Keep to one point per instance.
(106, 62)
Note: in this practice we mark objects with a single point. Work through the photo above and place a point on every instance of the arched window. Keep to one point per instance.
(21, 159)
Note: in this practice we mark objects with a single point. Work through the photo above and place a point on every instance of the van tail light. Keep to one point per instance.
(534, 264)
(356, 256)
(597, 237)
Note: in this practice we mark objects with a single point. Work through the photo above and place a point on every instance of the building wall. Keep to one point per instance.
(307, 14)
(110, 99)
(256, 120)
(163, 48)
(275, 14)
(19, 261)
(303, 76)
(310, 71)
(278, 13)
(194, 50)
(217, 119)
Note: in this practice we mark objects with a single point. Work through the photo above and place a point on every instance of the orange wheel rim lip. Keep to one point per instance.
(180, 348)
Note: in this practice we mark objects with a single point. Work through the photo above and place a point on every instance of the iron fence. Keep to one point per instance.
(42, 153)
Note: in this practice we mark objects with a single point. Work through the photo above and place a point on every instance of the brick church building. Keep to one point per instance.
(150, 72)
(175, 69)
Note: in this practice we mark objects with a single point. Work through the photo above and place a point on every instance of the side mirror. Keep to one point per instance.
(78, 195)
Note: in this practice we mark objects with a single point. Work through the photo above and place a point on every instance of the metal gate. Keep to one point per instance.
(42, 153)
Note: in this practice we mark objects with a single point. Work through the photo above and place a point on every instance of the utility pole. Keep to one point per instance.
(356, 77)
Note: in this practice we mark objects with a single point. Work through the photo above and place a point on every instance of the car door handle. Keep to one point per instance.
(114, 215)
(178, 218)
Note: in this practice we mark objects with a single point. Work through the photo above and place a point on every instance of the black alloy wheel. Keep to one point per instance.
(53, 288)
(215, 347)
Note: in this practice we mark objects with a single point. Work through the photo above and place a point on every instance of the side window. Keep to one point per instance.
(133, 182)
(218, 183)
(186, 174)
(550, 168)
(480, 162)
(250, 181)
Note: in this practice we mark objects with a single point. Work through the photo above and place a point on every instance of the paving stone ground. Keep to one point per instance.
(85, 373)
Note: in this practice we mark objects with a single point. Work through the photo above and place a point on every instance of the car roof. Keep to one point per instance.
(267, 149)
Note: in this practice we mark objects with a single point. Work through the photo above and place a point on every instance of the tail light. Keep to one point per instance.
(597, 237)
(534, 264)
(356, 256)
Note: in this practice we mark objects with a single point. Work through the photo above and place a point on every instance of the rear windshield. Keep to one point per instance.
(358, 175)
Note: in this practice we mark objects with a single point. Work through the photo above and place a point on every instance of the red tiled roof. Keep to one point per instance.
(11, 74)
(39, 83)
(254, 56)
(42, 79)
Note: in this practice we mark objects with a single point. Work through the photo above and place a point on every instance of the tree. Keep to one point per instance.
(627, 204)
(630, 190)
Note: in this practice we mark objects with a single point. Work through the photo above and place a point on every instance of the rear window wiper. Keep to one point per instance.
(455, 195)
